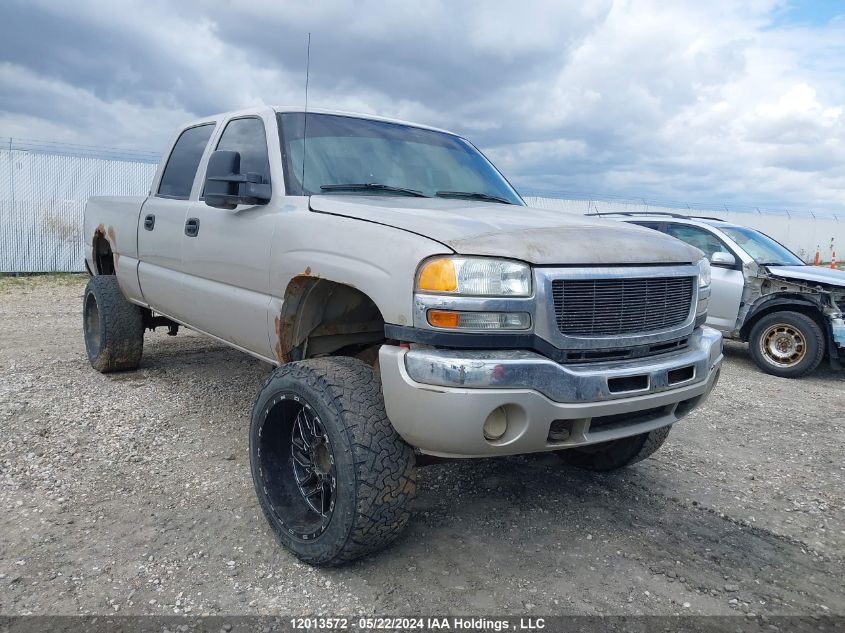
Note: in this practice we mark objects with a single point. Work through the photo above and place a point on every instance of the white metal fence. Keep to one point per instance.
(803, 232)
(43, 189)
(44, 186)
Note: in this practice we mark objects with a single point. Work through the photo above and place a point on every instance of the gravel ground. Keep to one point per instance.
(131, 493)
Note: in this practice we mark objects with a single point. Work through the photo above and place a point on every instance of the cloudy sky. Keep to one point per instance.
(724, 100)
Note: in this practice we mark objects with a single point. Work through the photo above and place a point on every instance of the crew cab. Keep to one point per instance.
(412, 304)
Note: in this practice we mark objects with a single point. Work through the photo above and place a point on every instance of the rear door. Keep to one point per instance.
(161, 224)
(728, 282)
(227, 261)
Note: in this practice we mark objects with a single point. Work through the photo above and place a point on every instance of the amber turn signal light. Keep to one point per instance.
(443, 318)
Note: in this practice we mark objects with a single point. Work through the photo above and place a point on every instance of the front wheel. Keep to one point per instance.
(333, 477)
(616, 453)
(787, 344)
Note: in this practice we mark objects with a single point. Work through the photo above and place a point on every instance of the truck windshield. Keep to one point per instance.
(761, 247)
(346, 155)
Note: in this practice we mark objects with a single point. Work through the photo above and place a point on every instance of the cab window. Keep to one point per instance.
(181, 168)
(698, 237)
(246, 136)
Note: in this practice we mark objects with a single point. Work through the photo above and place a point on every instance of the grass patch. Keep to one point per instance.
(23, 281)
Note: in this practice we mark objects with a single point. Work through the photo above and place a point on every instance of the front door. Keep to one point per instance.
(227, 258)
(727, 282)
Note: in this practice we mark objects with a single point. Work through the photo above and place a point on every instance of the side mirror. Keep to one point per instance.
(727, 260)
(226, 187)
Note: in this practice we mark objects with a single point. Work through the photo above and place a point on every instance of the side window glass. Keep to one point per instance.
(247, 137)
(648, 225)
(701, 239)
(181, 168)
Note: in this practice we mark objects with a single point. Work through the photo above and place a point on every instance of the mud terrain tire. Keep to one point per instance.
(113, 327)
(333, 477)
(616, 453)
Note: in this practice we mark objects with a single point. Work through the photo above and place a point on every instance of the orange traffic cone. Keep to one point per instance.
(833, 260)
(818, 259)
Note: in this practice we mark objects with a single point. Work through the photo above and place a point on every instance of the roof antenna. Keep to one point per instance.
(305, 114)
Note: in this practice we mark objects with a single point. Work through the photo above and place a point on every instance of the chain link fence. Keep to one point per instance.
(43, 189)
(803, 232)
(44, 186)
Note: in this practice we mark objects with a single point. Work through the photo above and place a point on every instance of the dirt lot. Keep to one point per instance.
(131, 493)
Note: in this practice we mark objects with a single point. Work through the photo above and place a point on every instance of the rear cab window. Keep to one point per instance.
(181, 168)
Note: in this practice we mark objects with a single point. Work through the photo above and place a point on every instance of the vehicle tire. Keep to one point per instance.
(113, 327)
(333, 477)
(616, 453)
(787, 344)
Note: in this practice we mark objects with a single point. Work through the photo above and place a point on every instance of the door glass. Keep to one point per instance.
(247, 137)
(701, 239)
(181, 168)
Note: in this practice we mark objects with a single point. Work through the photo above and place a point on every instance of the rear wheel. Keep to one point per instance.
(616, 453)
(113, 327)
(787, 344)
(332, 476)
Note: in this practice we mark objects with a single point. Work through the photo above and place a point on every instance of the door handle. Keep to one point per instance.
(192, 227)
(150, 222)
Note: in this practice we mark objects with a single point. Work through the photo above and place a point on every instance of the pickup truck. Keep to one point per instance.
(412, 304)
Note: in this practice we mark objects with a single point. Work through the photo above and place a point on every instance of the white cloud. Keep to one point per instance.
(692, 100)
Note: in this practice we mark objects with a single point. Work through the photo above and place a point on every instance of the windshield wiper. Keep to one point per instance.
(472, 195)
(372, 186)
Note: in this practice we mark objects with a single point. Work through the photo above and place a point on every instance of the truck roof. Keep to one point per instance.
(357, 115)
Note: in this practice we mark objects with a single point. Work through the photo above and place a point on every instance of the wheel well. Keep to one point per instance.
(103, 256)
(811, 310)
(320, 317)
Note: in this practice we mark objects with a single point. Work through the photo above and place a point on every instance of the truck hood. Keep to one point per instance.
(537, 236)
(812, 274)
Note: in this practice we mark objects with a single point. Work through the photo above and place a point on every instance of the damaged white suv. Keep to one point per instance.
(790, 313)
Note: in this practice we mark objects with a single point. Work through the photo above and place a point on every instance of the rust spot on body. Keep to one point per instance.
(282, 327)
(108, 234)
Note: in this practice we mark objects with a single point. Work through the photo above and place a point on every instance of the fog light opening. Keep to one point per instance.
(496, 424)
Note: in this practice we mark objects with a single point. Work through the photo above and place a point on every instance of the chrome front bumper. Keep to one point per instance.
(438, 400)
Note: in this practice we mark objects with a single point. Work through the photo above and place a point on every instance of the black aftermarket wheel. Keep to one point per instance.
(332, 476)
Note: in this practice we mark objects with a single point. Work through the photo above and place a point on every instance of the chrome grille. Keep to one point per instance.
(608, 307)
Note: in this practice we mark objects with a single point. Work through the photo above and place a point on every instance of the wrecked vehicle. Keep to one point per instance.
(790, 313)
(412, 303)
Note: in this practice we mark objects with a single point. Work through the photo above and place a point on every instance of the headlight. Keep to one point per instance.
(476, 276)
(703, 273)
(703, 292)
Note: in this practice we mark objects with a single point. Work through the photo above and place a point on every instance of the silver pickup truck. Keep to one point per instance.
(412, 303)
